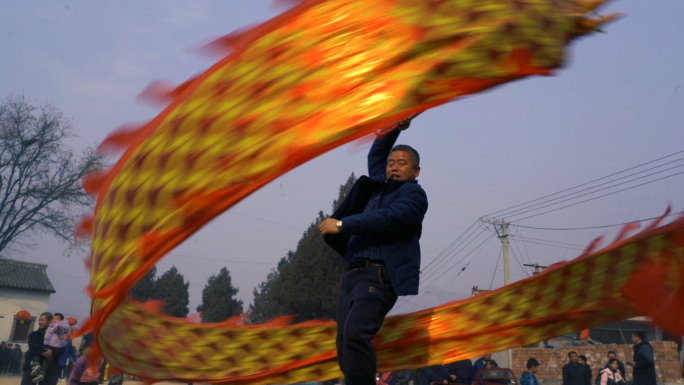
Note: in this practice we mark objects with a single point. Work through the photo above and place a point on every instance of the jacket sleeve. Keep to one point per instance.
(35, 344)
(377, 156)
(604, 377)
(587, 375)
(77, 371)
(566, 375)
(408, 210)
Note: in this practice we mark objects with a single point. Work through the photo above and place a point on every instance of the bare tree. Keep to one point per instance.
(40, 176)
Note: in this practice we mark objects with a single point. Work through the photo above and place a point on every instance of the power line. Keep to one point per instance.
(605, 188)
(601, 196)
(518, 261)
(525, 209)
(557, 246)
(448, 249)
(548, 240)
(431, 270)
(495, 268)
(461, 260)
(595, 227)
(444, 263)
(584, 184)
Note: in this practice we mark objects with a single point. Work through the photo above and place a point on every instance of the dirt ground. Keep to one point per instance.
(17, 380)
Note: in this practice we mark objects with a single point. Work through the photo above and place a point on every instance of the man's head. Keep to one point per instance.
(638, 337)
(611, 354)
(57, 317)
(532, 365)
(9, 346)
(582, 359)
(403, 163)
(573, 357)
(487, 356)
(44, 320)
(2, 344)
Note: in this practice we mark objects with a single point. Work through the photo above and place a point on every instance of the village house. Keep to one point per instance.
(23, 286)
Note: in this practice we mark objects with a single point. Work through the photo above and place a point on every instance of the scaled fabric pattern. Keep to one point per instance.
(320, 75)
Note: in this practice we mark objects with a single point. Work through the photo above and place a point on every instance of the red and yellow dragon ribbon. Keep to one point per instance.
(322, 74)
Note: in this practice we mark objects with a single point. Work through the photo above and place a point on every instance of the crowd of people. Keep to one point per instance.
(50, 356)
(576, 372)
(10, 359)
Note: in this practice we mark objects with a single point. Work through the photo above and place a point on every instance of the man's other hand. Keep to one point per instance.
(329, 226)
(47, 354)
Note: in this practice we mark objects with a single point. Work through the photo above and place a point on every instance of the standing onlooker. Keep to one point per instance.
(4, 357)
(16, 360)
(574, 373)
(611, 375)
(644, 361)
(7, 366)
(588, 372)
(460, 372)
(528, 377)
(481, 364)
(621, 366)
(36, 342)
(3, 354)
(67, 359)
(84, 372)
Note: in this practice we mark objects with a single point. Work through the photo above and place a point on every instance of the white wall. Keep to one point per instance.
(13, 300)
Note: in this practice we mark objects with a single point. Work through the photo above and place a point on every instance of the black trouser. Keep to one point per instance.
(365, 299)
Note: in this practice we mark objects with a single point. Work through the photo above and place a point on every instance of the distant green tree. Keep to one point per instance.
(307, 281)
(173, 289)
(143, 290)
(218, 298)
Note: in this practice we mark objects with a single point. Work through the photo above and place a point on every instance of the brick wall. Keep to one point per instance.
(552, 361)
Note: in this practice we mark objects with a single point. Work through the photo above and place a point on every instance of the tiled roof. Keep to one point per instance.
(24, 275)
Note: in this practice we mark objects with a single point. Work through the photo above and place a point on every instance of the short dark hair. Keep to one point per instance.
(640, 334)
(610, 361)
(415, 157)
(531, 363)
(47, 315)
(611, 352)
(582, 357)
(60, 315)
(570, 353)
(493, 363)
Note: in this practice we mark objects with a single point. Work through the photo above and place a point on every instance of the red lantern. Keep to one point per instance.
(72, 321)
(23, 316)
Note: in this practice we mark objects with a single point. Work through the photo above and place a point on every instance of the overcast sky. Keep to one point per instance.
(619, 103)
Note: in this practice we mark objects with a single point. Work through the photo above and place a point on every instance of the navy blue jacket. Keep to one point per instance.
(436, 373)
(396, 225)
(644, 365)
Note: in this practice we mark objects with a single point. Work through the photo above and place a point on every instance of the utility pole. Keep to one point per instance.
(506, 261)
(503, 236)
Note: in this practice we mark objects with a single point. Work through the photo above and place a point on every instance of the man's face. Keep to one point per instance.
(9, 346)
(582, 360)
(611, 355)
(400, 166)
(635, 339)
(533, 369)
(573, 358)
(487, 357)
(43, 322)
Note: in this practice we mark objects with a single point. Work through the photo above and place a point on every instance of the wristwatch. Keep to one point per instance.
(339, 225)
